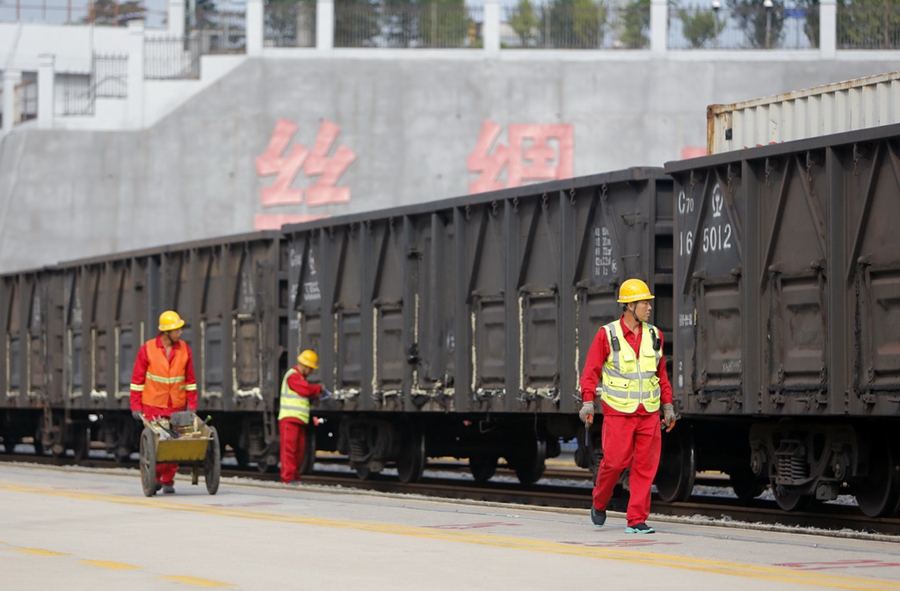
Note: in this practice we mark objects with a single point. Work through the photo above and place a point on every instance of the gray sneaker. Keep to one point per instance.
(168, 489)
(598, 518)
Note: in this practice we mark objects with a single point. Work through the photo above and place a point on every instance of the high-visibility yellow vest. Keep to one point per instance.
(629, 380)
(292, 405)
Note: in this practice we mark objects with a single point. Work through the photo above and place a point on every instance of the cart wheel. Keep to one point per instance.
(148, 462)
(212, 465)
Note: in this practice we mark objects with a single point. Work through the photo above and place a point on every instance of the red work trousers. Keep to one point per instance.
(165, 473)
(293, 446)
(629, 441)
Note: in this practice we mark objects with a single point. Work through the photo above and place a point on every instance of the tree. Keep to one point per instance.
(700, 26)
(291, 22)
(111, 12)
(525, 22)
(443, 23)
(811, 23)
(356, 23)
(759, 23)
(868, 24)
(576, 23)
(635, 23)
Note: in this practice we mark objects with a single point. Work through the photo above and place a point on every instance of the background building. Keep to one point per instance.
(220, 119)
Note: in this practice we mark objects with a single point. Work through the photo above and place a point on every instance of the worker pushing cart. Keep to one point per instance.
(163, 383)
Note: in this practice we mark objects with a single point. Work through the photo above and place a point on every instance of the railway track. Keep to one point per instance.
(561, 487)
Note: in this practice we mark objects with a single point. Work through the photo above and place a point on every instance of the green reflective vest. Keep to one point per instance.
(628, 381)
(292, 405)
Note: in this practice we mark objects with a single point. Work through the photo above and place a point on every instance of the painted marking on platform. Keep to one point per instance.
(838, 564)
(751, 571)
(39, 552)
(196, 581)
(474, 525)
(258, 504)
(625, 543)
(110, 565)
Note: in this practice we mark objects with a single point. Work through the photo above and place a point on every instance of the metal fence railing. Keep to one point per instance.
(746, 27)
(869, 27)
(597, 25)
(440, 25)
(26, 101)
(77, 94)
(172, 58)
(290, 25)
(220, 31)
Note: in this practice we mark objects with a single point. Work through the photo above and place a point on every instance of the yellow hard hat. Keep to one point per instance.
(170, 320)
(309, 359)
(634, 290)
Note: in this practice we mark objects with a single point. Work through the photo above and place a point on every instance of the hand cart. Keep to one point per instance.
(181, 438)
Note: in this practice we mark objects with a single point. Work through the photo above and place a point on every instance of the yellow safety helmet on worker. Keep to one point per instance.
(309, 359)
(170, 320)
(634, 290)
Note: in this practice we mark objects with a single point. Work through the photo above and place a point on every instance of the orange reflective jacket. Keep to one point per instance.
(165, 379)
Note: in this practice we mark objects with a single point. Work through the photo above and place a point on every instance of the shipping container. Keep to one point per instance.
(834, 108)
(787, 270)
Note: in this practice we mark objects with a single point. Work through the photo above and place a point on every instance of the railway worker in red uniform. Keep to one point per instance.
(293, 414)
(626, 361)
(163, 382)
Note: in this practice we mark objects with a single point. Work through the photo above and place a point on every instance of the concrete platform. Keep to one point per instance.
(73, 529)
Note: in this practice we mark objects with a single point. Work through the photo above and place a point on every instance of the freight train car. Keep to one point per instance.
(458, 328)
(454, 328)
(71, 333)
(787, 339)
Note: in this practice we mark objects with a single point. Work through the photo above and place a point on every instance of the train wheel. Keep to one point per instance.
(411, 462)
(677, 466)
(212, 464)
(745, 484)
(309, 452)
(362, 471)
(267, 464)
(148, 462)
(82, 444)
(530, 466)
(791, 500)
(483, 468)
(241, 456)
(878, 496)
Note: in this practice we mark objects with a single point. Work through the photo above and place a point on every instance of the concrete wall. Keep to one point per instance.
(409, 128)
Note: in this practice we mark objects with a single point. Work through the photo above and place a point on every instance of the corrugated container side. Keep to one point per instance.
(834, 108)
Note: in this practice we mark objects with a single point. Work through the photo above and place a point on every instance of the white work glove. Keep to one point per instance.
(137, 415)
(325, 394)
(587, 412)
(668, 417)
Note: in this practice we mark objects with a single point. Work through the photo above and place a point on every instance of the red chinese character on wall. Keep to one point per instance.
(286, 165)
(530, 155)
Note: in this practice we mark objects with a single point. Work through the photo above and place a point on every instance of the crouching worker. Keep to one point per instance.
(293, 414)
(163, 383)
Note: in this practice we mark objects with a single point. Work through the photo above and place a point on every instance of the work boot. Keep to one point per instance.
(598, 518)
(168, 489)
(158, 486)
(639, 528)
